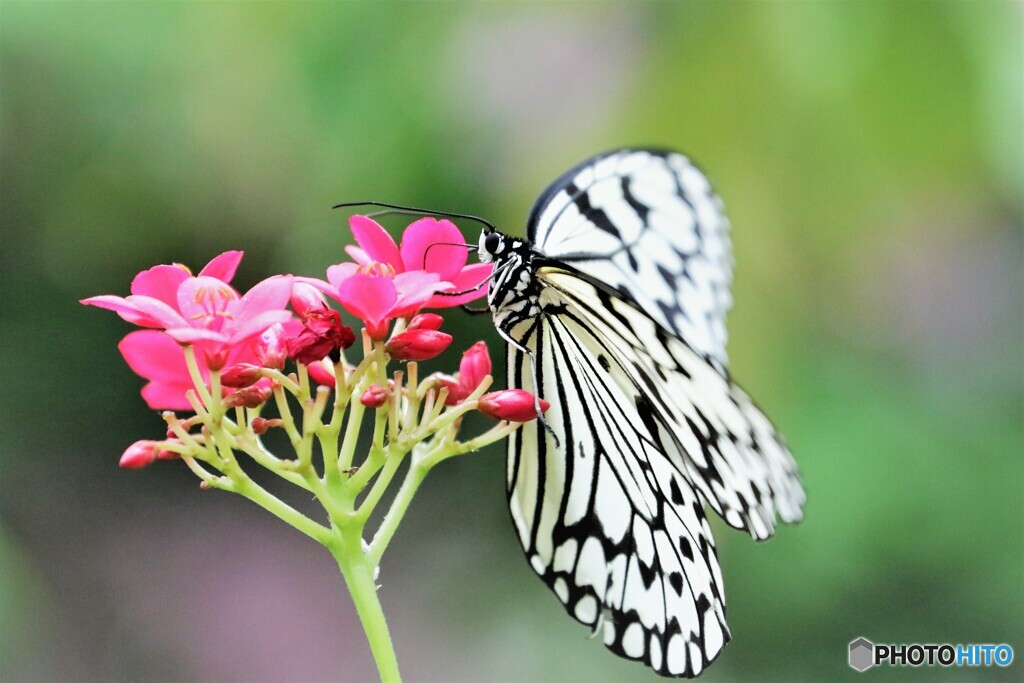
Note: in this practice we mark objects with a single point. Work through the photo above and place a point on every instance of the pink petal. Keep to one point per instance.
(121, 306)
(160, 282)
(272, 294)
(367, 297)
(375, 241)
(167, 395)
(414, 289)
(155, 356)
(444, 259)
(139, 310)
(257, 325)
(194, 335)
(476, 275)
(339, 273)
(358, 255)
(223, 267)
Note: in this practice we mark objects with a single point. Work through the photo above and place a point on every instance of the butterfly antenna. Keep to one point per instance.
(413, 210)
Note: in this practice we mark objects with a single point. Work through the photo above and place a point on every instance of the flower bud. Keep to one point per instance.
(249, 397)
(260, 425)
(514, 405)
(374, 397)
(271, 347)
(425, 321)
(166, 454)
(304, 297)
(139, 454)
(240, 375)
(421, 344)
(456, 392)
(474, 367)
(320, 374)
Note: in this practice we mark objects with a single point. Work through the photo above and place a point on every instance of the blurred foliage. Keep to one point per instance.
(870, 155)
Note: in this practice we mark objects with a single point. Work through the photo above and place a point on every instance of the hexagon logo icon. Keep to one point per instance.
(862, 654)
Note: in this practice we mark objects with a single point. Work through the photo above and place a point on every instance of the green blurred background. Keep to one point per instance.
(869, 154)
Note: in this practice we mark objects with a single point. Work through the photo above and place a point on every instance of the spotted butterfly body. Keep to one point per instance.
(614, 312)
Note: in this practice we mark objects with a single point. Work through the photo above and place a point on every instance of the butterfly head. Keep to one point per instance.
(492, 245)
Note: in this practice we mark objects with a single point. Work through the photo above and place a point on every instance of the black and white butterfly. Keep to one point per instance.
(614, 312)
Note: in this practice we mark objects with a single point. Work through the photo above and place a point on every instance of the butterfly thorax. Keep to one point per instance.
(513, 292)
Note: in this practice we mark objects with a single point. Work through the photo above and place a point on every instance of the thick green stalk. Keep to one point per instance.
(358, 572)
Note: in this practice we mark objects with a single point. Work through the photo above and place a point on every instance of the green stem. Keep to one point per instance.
(357, 570)
(413, 478)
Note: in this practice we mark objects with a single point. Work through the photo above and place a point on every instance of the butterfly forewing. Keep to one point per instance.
(647, 224)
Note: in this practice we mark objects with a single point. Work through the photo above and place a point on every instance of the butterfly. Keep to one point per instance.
(614, 310)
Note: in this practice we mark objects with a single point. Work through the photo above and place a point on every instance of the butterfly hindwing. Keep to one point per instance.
(607, 522)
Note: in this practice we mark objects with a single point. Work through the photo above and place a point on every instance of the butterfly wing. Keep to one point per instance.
(607, 522)
(609, 506)
(646, 223)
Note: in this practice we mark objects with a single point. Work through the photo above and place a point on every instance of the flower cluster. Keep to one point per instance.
(248, 336)
(240, 365)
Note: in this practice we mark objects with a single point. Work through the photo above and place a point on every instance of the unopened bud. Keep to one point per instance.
(260, 425)
(271, 347)
(240, 375)
(306, 296)
(425, 321)
(421, 344)
(139, 454)
(514, 405)
(167, 454)
(374, 397)
(249, 397)
(319, 373)
(456, 393)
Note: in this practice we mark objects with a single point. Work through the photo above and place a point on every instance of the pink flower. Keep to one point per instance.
(376, 294)
(161, 360)
(203, 310)
(475, 366)
(514, 405)
(419, 344)
(429, 245)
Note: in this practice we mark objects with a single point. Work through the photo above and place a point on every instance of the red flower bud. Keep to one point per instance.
(426, 321)
(514, 405)
(165, 454)
(260, 425)
(421, 344)
(456, 392)
(374, 397)
(139, 454)
(249, 397)
(240, 375)
(319, 374)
